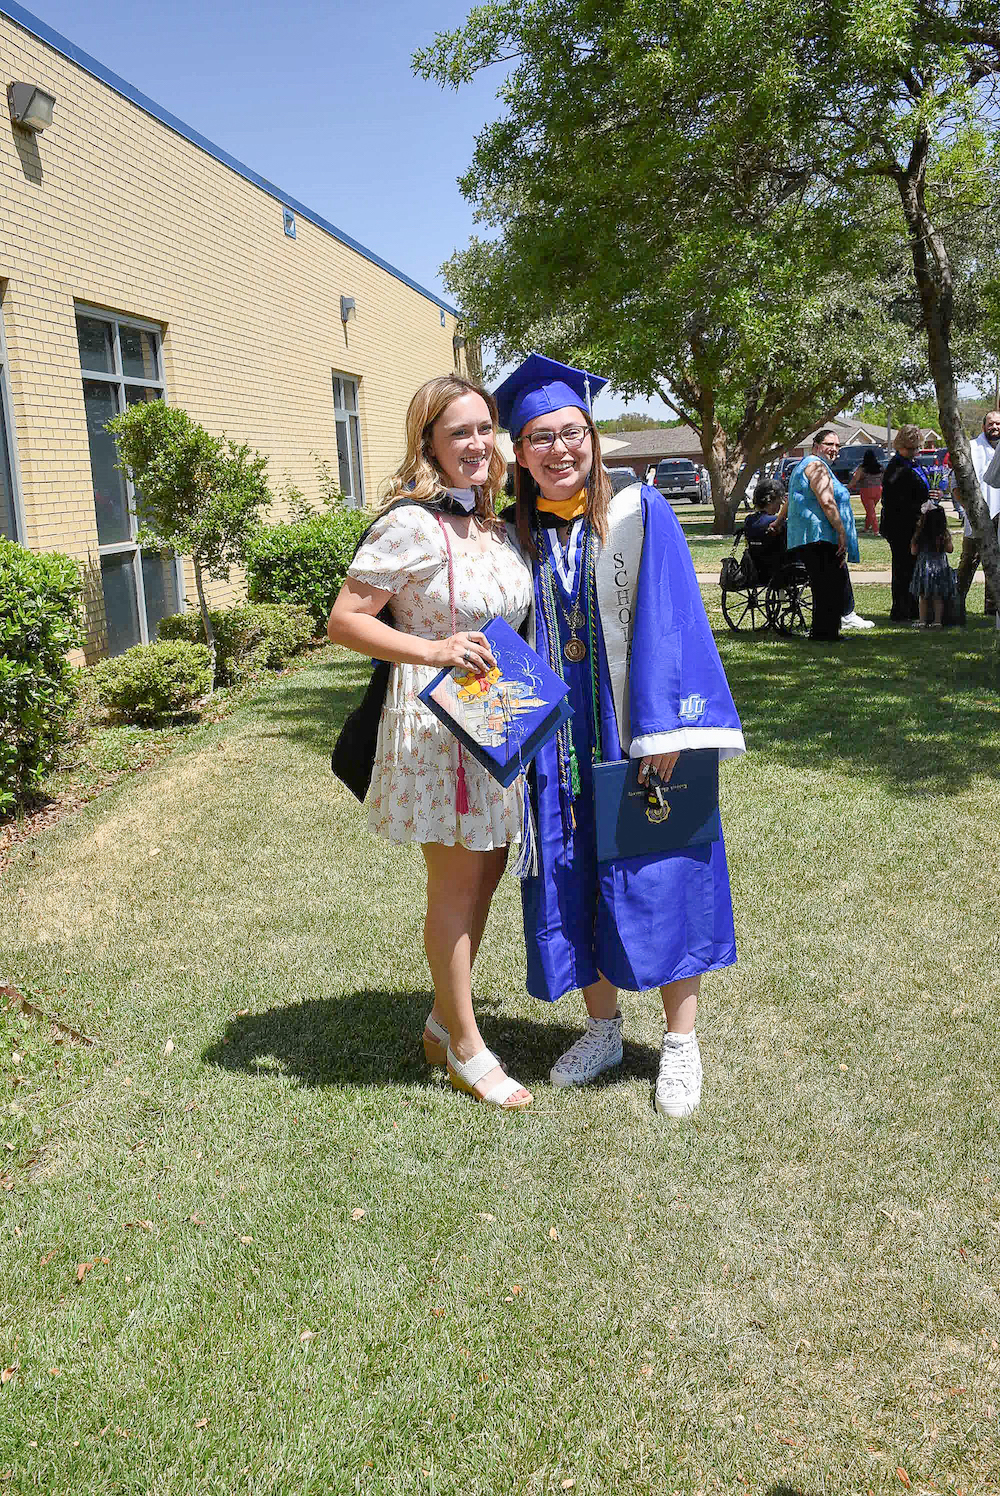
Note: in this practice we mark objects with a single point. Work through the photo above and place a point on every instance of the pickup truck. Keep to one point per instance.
(678, 478)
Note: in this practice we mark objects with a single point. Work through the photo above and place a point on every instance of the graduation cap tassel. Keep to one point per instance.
(461, 789)
(526, 865)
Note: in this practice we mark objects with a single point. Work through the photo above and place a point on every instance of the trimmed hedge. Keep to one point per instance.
(305, 562)
(153, 681)
(39, 624)
(248, 637)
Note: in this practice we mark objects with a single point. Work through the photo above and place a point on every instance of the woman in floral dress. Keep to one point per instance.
(442, 561)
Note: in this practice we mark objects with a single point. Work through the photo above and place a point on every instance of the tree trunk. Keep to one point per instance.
(932, 268)
(723, 467)
(206, 622)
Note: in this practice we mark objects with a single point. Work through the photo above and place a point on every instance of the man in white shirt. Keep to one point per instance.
(984, 450)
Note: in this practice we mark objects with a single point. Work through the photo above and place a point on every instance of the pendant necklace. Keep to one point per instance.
(575, 648)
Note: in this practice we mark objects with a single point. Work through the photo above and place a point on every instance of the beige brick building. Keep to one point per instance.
(139, 261)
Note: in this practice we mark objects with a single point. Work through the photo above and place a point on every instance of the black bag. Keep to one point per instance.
(735, 575)
(353, 756)
(729, 574)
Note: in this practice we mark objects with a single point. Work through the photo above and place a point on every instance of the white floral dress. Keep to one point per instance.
(412, 794)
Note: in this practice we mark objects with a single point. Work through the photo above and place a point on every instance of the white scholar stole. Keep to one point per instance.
(616, 573)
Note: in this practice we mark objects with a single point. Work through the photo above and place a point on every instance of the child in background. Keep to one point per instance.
(933, 578)
(867, 481)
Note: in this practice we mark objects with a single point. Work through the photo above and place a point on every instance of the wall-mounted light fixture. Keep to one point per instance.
(458, 343)
(30, 106)
(347, 309)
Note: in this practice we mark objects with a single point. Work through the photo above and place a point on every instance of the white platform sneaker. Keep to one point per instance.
(678, 1080)
(597, 1050)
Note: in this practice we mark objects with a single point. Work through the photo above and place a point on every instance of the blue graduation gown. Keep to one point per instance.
(639, 921)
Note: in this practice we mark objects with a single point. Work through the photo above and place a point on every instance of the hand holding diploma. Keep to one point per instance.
(656, 771)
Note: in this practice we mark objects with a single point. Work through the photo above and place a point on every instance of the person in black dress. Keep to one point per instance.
(904, 491)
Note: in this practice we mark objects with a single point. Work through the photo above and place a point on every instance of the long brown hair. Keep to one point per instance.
(418, 475)
(526, 493)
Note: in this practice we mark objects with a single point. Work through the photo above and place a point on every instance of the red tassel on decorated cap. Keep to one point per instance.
(461, 790)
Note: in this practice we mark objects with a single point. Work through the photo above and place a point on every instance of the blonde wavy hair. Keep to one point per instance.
(418, 475)
(526, 493)
(908, 436)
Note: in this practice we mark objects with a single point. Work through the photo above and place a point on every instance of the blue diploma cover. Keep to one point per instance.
(631, 823)
(501, 718)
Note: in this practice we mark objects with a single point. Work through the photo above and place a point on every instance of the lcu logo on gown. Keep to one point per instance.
(691, 708)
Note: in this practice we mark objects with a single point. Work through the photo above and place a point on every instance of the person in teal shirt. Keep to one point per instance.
(821, 530)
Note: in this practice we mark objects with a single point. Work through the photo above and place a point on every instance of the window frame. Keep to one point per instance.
(13, 466)
(343, 412)
(120, 381)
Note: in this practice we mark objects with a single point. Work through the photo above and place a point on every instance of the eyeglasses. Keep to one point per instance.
(570, 436)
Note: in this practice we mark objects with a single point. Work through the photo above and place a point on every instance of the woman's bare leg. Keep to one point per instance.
(495, 862)
(458, 882)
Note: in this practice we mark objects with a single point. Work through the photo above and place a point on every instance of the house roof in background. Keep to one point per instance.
(658, 441)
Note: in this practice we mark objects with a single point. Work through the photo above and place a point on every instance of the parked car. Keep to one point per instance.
(621, 477)
(678, 478)
(848, 458)
(783, 471)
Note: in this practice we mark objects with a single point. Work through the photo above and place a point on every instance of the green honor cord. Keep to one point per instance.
(569, 767)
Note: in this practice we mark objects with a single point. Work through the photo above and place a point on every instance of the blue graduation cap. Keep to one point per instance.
(540, 385)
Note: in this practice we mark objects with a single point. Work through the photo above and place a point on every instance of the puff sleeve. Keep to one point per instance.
(403, 546)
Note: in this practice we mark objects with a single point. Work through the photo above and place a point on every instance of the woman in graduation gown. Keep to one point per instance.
(618, 613)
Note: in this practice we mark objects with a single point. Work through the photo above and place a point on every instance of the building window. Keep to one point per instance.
(10, 528)
(345, 414)
(121, 365)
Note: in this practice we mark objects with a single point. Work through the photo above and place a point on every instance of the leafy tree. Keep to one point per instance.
(632, 421)
(923, 413)
(678, 264)
(758, 204)
(899, 95)
(198, 494)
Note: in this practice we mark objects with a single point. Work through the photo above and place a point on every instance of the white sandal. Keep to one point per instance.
(436, 1038)
(464, 1078)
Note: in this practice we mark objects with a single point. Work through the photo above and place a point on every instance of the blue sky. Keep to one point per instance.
(321, 100)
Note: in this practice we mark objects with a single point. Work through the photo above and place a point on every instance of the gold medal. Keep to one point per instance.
(575, 650)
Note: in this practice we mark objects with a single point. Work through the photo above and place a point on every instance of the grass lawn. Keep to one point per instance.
(248, 1244)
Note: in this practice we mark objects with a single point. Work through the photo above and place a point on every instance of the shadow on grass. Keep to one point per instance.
(311, 706)
(374, 1038)
(915, 711)
(911, 710)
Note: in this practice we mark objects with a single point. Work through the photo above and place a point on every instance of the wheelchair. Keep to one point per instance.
(762, 591)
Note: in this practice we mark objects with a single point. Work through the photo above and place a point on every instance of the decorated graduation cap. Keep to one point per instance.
(541, 385)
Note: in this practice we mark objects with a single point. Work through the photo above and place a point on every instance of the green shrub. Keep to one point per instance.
(248, 636)
(305, 562)
(39, 624)
(153, 681)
